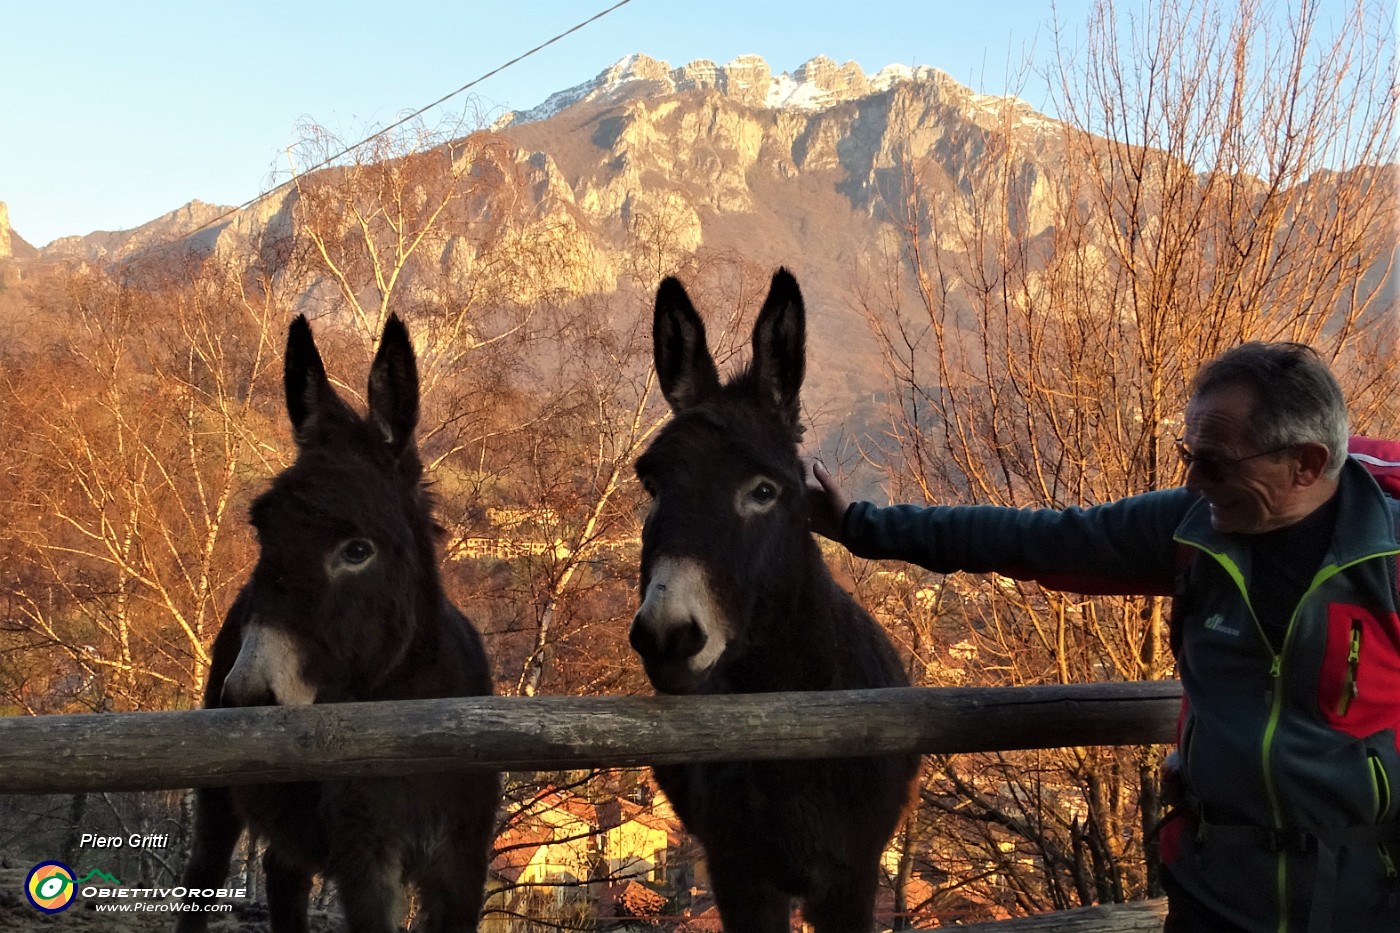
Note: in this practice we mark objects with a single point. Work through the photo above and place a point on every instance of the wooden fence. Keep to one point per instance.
(193, 748)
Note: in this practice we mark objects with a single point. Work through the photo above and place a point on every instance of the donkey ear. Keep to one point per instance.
(393, 387)
(683, 363)
(308, 391)
(780, 346)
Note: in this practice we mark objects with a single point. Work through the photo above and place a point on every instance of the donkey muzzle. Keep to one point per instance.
(268, 670)
(678, 631)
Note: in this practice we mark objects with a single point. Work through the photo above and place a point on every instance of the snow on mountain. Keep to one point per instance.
(817, 84)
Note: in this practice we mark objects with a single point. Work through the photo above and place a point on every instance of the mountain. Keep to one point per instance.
(12, 245)
(15, 253)
(804, 169)
(747, 79)
(816, 85)
(784, 169)
(113, 246)
(780, 168)
(713, 141)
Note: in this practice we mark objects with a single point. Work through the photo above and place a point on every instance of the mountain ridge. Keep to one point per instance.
(817, 84)
(807, 169)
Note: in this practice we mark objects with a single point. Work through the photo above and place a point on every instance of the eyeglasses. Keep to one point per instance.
(1215, 469)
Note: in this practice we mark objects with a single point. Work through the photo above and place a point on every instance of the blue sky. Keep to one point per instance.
(117, 112)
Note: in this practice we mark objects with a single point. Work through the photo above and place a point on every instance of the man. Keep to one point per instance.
(1280, 553)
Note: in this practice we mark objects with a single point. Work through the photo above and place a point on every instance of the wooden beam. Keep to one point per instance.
(193, 748)
(1132, 917)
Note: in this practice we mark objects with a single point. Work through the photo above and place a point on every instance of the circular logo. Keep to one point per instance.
(50, 887)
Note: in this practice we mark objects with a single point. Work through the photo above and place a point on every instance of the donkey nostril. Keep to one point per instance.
(239, 695)
(688, 640)
(641, 640)
(671, 643)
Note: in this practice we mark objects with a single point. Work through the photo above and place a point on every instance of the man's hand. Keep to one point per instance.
(826, 502)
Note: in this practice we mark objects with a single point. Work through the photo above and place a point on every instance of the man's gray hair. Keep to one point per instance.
(1296, 398)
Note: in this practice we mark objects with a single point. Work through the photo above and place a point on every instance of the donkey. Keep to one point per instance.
(345, 604)
(737, 599)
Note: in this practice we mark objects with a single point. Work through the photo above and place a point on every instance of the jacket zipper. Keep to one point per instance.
(1275, 696)
(1351, 687)
(1381, 783)
(1267, 747)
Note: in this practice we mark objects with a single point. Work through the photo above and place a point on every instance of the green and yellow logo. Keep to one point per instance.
(51, 886)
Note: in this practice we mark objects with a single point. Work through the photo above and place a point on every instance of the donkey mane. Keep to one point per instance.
(740, 394)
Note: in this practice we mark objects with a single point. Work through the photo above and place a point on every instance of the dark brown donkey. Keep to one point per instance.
(737, 599)
(345, 604)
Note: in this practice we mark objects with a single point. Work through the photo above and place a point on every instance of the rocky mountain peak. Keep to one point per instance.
(109, 245)
(844, 81)
(816, 84)
(635, 67)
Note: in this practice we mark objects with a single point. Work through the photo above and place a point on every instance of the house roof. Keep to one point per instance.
(707, 921)
(515, 849)
(616, 812)
(630, 899)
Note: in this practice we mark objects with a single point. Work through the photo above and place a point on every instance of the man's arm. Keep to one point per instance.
(1122, 547)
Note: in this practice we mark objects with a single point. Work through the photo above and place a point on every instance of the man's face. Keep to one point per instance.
(1248, 489)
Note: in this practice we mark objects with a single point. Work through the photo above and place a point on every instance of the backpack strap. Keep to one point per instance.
(1381, 458)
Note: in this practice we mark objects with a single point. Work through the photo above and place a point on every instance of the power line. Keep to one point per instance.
(400, 122)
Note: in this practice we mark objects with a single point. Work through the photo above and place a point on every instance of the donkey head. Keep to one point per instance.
(344, 535)
(726, 538)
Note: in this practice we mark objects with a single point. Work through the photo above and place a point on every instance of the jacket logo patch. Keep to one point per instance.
(1216, 623)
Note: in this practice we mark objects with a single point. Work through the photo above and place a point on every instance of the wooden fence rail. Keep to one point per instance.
(193, 748)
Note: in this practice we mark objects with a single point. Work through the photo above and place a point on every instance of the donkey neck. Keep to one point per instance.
(793, 642)
(427, 652)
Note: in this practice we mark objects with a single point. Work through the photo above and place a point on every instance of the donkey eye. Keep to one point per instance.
(757, 496)
(764, 493)
(356, 551)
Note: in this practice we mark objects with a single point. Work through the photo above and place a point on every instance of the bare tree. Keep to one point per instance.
(144, 431)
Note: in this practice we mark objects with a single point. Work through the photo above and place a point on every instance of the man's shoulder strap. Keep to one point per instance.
(1382, 458)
